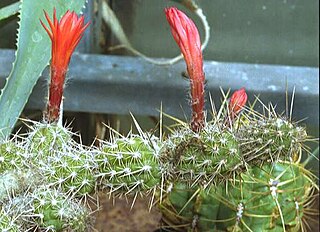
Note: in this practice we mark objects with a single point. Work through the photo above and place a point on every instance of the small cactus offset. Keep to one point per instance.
(46, 190)
(44, 139)
(12, 155)
(63, 162)
(55, 211)
(273, 138)
(14, 182)
(46, 209)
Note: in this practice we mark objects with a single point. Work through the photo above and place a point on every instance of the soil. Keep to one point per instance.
(118, 217)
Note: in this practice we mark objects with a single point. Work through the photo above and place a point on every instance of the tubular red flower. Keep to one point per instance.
(237, 101)
(65, 36)
(187, 37)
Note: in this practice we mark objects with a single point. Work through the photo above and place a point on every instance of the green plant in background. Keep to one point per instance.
(240, 171)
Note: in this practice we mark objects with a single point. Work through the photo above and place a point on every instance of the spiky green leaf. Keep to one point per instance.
(9, 10)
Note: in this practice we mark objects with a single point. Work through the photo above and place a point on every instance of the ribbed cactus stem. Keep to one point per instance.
(129, 165)
(7, 223)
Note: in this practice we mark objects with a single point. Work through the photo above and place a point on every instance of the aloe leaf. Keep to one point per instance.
(32, 56)
(9, 10)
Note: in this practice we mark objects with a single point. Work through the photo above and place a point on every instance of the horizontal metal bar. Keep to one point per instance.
(118, 84)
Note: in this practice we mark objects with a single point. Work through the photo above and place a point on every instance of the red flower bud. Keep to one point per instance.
(237, 101)
(65, 36)
(187, 37)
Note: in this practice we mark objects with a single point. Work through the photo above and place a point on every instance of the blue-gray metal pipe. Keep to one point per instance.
(119, 85)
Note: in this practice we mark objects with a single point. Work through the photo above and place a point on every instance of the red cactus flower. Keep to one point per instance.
(187, 37)
(65, 36)
(237, 101)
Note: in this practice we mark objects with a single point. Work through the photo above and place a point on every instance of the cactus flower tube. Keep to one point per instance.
(186, 35)
(65, 36)
(237, 102)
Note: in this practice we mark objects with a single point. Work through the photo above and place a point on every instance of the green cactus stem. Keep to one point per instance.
(54, 211)
(73, 172)
(130, 164)
(46, 139)
(273, 197)
(201, 158)
(12, 155)
(189, 209)
(7, 224)
(271, 138)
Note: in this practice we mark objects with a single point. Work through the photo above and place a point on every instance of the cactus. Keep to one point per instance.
(72, 172)
(204, 157)
(47, 170)
(271, 197)
(260, 183)
(222, 178)
(62, 161)
(273, 138)
(218, 179)
(46, 164)
(14, 182)
(186, 208)
(56, 212)
(45, 139)
(237, 172)
(129, 164)
(47, 210)
(7, 224)
(12, 155)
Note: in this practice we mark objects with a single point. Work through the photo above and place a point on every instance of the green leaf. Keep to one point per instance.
(8, 11)
(32, 56)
